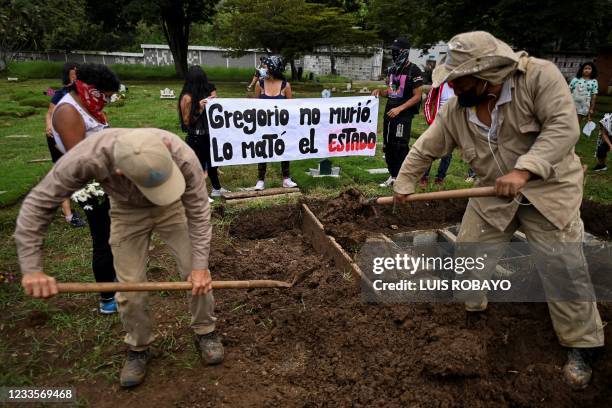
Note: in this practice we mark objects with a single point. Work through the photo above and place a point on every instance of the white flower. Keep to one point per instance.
(88, 207)
(91, 190)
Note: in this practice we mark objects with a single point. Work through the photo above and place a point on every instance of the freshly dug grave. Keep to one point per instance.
(317, 344)
(350, 222)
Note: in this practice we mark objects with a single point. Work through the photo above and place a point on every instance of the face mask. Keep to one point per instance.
(470, 98)
(395, 54)
(263, 73)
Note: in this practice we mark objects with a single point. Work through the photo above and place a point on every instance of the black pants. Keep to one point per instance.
(201, 146)
(396, 139)
(262, 167)
(98, 219)
(602, 149)
(55, 153)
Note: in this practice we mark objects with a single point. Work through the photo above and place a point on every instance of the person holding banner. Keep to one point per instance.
(273, 85)
(192, 102)
(405, 82)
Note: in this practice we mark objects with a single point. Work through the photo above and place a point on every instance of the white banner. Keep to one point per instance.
(244, 131)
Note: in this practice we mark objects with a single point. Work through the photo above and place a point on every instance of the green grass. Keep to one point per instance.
(143, 108)
(126, 72)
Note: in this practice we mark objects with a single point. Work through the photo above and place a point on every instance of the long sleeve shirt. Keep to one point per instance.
(93, 159)
(536, 131)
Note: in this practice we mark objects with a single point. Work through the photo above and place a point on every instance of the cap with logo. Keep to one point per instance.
(145, 160)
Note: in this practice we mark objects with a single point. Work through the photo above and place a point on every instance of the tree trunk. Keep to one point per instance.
(176, 31)
(332, 60)
(294, 75)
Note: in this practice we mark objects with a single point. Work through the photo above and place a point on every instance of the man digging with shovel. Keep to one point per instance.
(514, 121)
(155, 183)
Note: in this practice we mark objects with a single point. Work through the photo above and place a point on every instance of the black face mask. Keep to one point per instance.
(470, 98)
(394, 54)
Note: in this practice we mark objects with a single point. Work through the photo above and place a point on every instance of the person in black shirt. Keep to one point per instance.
(404, 90)
(192, 116)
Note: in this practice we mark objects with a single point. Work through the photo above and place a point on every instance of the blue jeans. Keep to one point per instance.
(443, 168)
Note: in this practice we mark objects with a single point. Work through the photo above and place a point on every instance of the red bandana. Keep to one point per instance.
(92, 99)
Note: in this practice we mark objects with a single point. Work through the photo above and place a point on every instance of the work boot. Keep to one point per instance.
(135, 368)
(210, 348)
(577, 371)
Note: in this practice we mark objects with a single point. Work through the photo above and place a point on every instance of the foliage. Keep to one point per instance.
(534, 25)
(271, 25)
(17, 21)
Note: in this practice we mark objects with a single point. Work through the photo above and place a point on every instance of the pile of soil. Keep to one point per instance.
(597, 218)
(350, 221)
(318, 344)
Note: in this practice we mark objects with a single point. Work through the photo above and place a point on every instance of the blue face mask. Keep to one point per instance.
(263, 73)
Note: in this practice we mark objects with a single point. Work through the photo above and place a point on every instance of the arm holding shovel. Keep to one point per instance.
(434, 143)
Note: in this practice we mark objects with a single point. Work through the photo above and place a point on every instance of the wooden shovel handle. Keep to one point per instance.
(78, 287)
(444, 195)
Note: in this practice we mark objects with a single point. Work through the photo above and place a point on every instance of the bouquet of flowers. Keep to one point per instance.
(91, 190)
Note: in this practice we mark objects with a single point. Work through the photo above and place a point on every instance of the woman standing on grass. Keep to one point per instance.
(79, 114)
(68, 78)
(192, 116)
(584, 89)
(273, 85)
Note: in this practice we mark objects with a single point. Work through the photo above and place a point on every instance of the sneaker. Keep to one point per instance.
(210, 348)
(108, 306)
(388, 183)
(76, 221)
(424, 182)
(218, 193)
(439, 181)
(600, 167)
(470, 179)
(260, 185)
(288, 183)
(135, 368)
(577, 371)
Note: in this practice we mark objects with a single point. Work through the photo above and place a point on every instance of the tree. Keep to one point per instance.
(120, 19)
(534, 25)
(272, 25)
(175, 18)
(17, 19)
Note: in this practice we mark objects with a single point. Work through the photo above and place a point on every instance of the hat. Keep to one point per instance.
(400, 44)
(144, 159)
(476, 53)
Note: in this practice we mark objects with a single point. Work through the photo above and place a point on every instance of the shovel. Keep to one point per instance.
(437, 195)
(78, 287)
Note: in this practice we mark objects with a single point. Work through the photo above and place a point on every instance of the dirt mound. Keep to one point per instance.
(462, 355)
(257, 224)
(597, 218)
(350, 221)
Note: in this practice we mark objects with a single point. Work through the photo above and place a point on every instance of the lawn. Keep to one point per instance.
(22, 141)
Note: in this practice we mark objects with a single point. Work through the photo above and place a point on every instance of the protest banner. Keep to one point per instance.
(245, 131)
